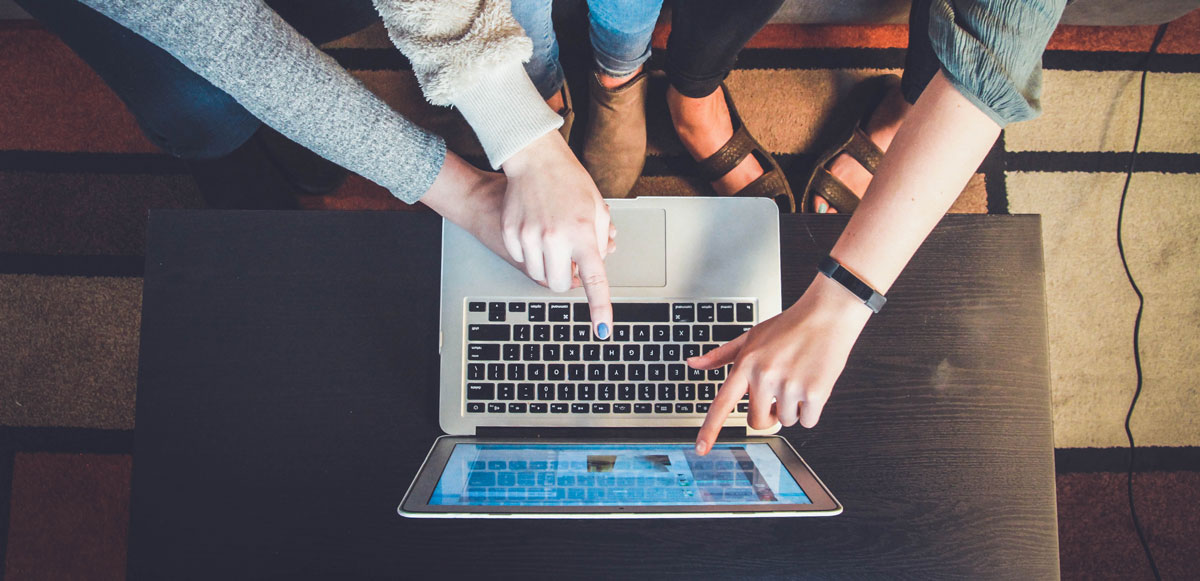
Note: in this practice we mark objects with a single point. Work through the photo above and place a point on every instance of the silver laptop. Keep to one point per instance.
(688, 275)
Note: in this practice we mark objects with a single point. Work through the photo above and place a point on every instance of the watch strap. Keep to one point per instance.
(833, 269)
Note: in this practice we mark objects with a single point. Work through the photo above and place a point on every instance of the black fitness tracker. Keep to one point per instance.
(833, 269)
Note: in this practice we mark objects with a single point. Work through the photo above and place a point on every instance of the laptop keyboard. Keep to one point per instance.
(539, 358)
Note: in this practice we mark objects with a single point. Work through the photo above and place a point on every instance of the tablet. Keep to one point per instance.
(564, 478)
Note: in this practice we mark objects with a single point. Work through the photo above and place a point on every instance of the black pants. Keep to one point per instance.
(706, 37)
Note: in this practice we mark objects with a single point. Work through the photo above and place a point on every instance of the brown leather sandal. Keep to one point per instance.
(852, 140)
(772, 184)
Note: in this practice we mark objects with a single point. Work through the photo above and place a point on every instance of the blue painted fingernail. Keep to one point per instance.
(822, 208)
(602, 330)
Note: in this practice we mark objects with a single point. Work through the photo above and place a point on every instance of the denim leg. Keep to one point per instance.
(178, 110)
(543, 67)
(706, 37)
(620, 31)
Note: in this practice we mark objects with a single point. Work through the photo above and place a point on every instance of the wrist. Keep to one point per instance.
(533, 155)
(827, 298)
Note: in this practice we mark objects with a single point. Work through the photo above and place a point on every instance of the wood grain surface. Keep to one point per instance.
(288, 394)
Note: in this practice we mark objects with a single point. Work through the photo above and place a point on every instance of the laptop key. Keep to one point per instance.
(611, 352)
(670, 352)
(745, 312)
(495, 408)
(571, 352)
(646, 391)
(743, 407)
(550, 352)
(475, 407)
(641, 333)
(591, 352)
(545, 391)
(631, 353)
(595, 372)
(600, 408)
(516, 372)
(496, 312)
(636, 372)
(651, 352)
(626, 391)
(558, 408)
(483, 391)
(705, 312)
(522, 332)
(717, 374)
(581, 333)
(537, 408)
(616, 372)
(475, 371)
(566, 391)
(620, 332)
(525, 391)
(676, 371)
(586, 391)
(577, 372)
(511, 352)
(556, 372)
(641, 312)
(562, 333)
(728, 332)
(695, 374)
(580, 408)
(531, 351)
(642, 408)
(658, 372)
(559, 312)
(680, 408)
(516, 408)
(683, 312)
(506, 391)
(541, 332)
(662, 408)
(495, 371)
(488, 332)
(483, 352)
(687, 391)
(537, 312)
(690, 350)
(476, 306)
(702, 408)
(725, 312)
(535, 372)
(700, 333)
(606, 391)
(681, 333)
(666, 392)
(618, 408)
(661, 333)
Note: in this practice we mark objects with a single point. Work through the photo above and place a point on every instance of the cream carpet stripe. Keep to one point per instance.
(1091, 307)
(1097, 111)
(68, 351)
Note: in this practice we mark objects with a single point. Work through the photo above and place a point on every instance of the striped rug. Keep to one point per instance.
(77, 176)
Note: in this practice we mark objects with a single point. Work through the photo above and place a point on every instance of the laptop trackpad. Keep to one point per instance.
(641, 256)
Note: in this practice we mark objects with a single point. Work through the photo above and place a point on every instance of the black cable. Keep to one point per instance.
(1137, 322)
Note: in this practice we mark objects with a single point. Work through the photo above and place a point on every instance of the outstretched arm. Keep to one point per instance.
(790, 362)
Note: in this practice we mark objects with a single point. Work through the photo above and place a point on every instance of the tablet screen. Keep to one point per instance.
(614, 474)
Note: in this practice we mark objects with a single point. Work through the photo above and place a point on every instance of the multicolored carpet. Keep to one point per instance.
(77, 177)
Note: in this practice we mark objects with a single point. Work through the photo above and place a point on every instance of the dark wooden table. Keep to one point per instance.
(288, 394)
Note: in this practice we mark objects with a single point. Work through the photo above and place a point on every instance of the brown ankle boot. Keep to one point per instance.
(614, 149)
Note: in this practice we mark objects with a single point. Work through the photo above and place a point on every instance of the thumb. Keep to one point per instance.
(720, 356)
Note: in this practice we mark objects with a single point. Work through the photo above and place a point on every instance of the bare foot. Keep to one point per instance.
(704, 125)
(881, 127)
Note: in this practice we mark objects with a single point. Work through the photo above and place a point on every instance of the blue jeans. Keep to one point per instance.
(620, 33)
(178, 110)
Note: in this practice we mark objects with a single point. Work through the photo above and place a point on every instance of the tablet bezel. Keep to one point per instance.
(416, 499)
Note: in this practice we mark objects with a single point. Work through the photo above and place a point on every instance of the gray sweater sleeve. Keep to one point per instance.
(245, 48)
(991, 51)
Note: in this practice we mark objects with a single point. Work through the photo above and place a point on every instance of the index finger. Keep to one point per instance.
(731, 392)
(594, 279)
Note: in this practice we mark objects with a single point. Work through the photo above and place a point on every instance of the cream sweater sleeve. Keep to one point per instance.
(468, 54)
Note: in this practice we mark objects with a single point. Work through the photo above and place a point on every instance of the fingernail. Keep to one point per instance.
(602, 330)
(701, 446)
(822, 208)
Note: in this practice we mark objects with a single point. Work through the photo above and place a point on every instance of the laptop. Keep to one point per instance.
(688, 275)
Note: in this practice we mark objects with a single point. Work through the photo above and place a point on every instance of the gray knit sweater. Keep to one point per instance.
(465, 53)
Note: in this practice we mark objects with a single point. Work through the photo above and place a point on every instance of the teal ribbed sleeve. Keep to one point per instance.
(991, 51)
